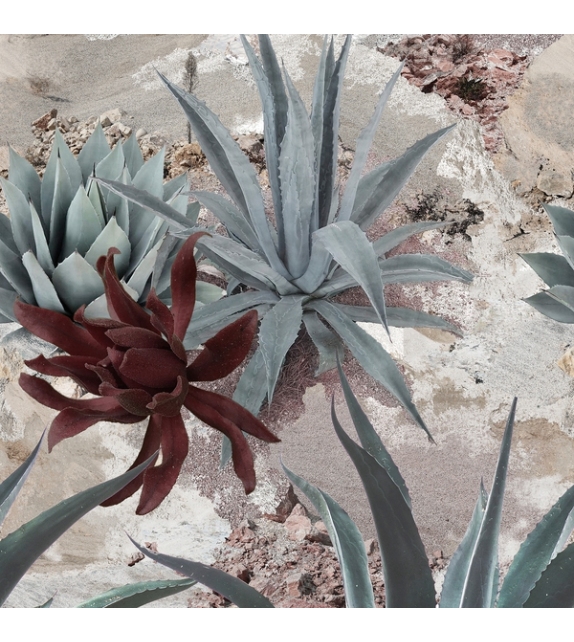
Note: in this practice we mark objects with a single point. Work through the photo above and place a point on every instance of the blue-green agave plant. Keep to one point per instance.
(292, 270)
(21, 548)
(541, 574)
(556, 271)
(61, 224)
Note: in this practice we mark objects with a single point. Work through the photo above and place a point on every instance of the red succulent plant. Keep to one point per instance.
(137, 366)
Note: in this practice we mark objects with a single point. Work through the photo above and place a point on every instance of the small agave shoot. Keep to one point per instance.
(21, 548)
(291, 271)
(61, 224)
(556, 271)
(540, 576)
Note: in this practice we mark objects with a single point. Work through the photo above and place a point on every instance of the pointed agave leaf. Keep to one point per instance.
(327, 343)
(97, 200)
(354, 253)
(348, 543)
(11, 486)
(250, 393)
(6, 236)
(551, 307)
(141, 275)
(76, 282)
(406, 268)
(20, 217)
(111, 236)
(152, 235)
(133, 155)
(7, 300)
(457, 570)
(371, 355)
(369, 438)
(562, 219)
(206, 321)
(150, 176)
(69, 161)
(232, 168)
(57, 210)
(44, 292)
(236, 224)
(536, 553)
(566, 244)
(232, 588)
(397, 317)
(246, 266)
(112, 165)
(478, 589)
(363, 146)
(94, 151)
(15, 273)
(274, 103)
(147, 201)
(395, 237)
(329, 150)
(555, 588)
(132, 596)
(393, 180)
(206, 293)
(563, 294)
(297, 174)
(277, 334)
(317, 270)
(20, 549)
(175, 186)
(408, 579)
(83, 225)
(553, 269)
(25, 178)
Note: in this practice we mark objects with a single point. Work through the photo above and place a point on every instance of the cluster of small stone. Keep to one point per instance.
(292, 563)
(475, 83)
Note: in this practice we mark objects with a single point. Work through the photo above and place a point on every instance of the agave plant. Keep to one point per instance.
(59, 226)
(556, 271)
(540, 574)
(291, 271)
(21, 548)
(137, 366)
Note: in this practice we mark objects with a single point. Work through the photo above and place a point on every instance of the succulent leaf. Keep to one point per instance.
(83, 225)
(132, 596)
(348, 543)
(44, 291)
(25, 178)
(111, 236)
(19, 217)
(328, 344)
(76, 281)
(94, 151)
(553, 269)
(551, 307)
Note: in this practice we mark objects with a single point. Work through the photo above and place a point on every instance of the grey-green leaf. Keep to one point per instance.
(408, 579)
(20, 217)
(550, 307)
(95, 150)
(76, 282)
(369, 438)
(371, 355)
(44, 292)
(277, 334)
(327, 343)
(553, 269)
(555, 589)
(391, 239)
(25, 177)
(11, 486)
(132, 596)
(457, 570)
(232, 588)
(535, 553)
(354, 253)
(83, 225)
(479, 584)
(20, 549)
(348, 543)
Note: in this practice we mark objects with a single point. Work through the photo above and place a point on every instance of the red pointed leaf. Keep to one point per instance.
(131, 337)
(183, 277)
(225, 351)
(43, 392)
(240, 451)
(152, 367)
(71, 421)
(168, 404)
(65, 366)
(116, 358)
(58, 329)
(134, 401)
(161, 317)
(98, 327)
(232, 411)
(159, 480)
(105, 375)
(120, 304)
(151, 443)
